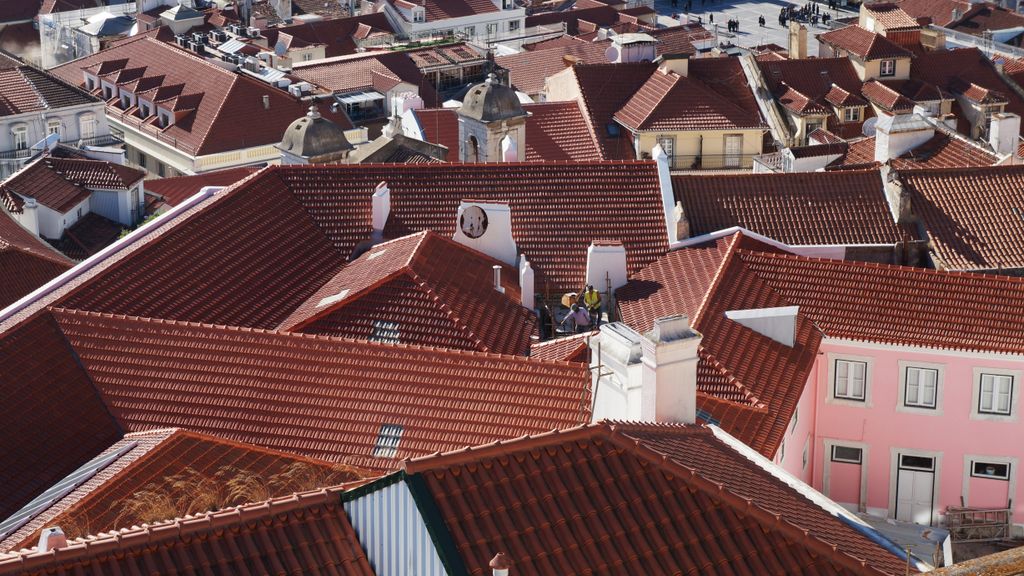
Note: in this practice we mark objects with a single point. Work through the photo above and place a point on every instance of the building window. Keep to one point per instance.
(387, 441)
(847, 454)
(144, 110)
(307, 56)
(52, 127)
(668, 144)
(996, 393)
(470, 31)
(79, 213)
(782, 452)
(851, 114)
(887, 68)
(142, 160)
(161, 169)
(806, 454)
(87, 126)
(794, 420)
(492, 29)
(996, 470)
(851, 379)
(513, 26)
(921, 387)
(19, 135)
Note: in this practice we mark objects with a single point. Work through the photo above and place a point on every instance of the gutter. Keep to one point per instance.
(138, 235)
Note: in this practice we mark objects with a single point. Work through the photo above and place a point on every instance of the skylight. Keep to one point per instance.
(387, 441)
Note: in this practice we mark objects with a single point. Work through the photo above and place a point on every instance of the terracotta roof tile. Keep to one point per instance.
(668, 101)
(605, 89)
(26, 262)
(863, 43)
(441, 126)
(940, 12)
(673, 499)
(528, 70)
(573, 348)
(959, 69)
(972, 215)
(602, 15)
(302, 533)
(176, 190)
(428, 290)
(558, 131)
(840, 208)
(887, 98)
(983, 17)
(222, 120)
(445, 9)
(806, 83)
(26, 89)
(317, 396)
(95, 173)
(1014, 68)
(151, 462)
(890, 16)
(40, 181)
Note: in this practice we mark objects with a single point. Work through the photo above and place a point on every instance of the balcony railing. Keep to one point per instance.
(105, 140)
(712, 162)
(17, 154)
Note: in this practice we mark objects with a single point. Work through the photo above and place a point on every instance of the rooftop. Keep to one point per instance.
(863, 43)
(26, 262)
(25, 89)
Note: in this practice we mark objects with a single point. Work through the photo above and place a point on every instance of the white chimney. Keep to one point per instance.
(266, 102)
(606, 261)
(500, 565)
(51, 539)
(487, 227)
(669, 381)
(779, 324)
(1004, 132)
(497, 278)
(30, 216)
(526, 283)
(668, 198)
(897, 135)
(509, 150)
(381, 206)
(678, 64)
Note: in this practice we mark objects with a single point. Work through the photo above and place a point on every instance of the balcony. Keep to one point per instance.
(108, 140)
(711, 162)
(17, 154)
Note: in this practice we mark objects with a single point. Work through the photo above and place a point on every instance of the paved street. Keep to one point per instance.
(750, 34)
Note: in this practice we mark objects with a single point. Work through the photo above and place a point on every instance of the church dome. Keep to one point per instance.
(491, 101)
(314, 136)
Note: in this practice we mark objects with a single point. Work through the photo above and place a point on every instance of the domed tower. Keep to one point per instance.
(492, 124)
(314, 139)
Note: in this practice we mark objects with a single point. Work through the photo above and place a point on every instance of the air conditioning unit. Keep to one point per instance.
(201, 49)
(182, 41)
(252, 64)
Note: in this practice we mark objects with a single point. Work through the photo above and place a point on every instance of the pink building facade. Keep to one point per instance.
(905, 432)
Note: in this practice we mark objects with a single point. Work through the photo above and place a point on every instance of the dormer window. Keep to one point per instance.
(507, 4)
(90, 83)
(887, 68)
(126, 101)
(165, 118)
(851, 114)
(418, 14)
(144, 109)
(108, 92)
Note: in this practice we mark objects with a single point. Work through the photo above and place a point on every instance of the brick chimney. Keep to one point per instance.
(669, 378)
(500, 565)
(51, 539)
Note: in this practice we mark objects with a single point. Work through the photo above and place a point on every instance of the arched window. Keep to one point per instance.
(473, 154)
(87, 125)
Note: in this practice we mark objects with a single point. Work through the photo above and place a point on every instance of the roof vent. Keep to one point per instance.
(500, 565)
(51, 539)
(266, 101)
(779, 323)
(497, 278)
(387, 441)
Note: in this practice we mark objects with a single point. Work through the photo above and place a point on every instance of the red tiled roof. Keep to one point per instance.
(54, 419)
(678, 40)
(38, 180)
(960, 68)
(983, 17)
(306, 533)
(604, 89)
(226, 102)
(208, 266)
(972, 215)
(669, 101)
(528, 70)
(1015, 70)
(26, 89)
(672, 498)
(797, 101)
(940, 12)
(896, 304)
(573, 348)
(96, 173)
(886, 98)
(602, 15)
(441, 126)
(436, 10)
(316, 396)
(890, 16)
(860, 154)
(751, 399)
(26, 262)
(806, 83)
(944, 151)
(558, 131)
(840, 97)
(429, 291)
(152, 462)
(837, 208)
(864, 43)
(176, 190)
(427, 197)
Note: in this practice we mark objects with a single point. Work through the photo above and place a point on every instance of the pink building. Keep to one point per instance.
(892, 390)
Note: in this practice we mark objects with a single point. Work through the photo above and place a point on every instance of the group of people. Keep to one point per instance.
(733, 25)
(584, 314)
(810, 12)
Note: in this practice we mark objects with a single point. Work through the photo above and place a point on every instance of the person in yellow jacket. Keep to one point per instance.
(592, 302)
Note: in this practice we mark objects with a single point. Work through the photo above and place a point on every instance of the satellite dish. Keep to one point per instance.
(612, 54)
(869, 126)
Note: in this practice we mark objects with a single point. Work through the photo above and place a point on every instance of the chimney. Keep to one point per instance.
(500, 565)
(570, 61)
(1004, 133)
(682, 222)
(669, 377)
(679, 64)
(779, 324)
(897, 197)
(51, 539)
(30, 216)
(526, 283)
(487, 227)
(606, 261)
(668, 198)
(266, 102)
(897, 135)
(497, 278)
(797, 41)
(381, 206)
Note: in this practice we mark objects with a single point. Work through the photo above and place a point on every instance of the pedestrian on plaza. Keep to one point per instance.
(711, 18)
(760, 21)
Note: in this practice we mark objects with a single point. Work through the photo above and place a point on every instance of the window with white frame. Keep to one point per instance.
(794, 420)
(995, 394)
(513, 26)
(847, 454)
(851, 114)
(492, 29)
(19, 137)
(887, 68)
(994, 470)
(53, 127)
(850, 380)
(921, 387)
(87, 126)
